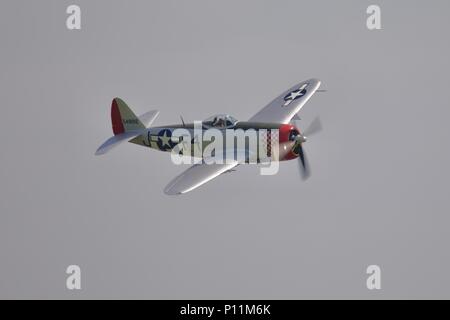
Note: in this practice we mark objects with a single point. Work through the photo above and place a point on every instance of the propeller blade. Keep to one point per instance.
(303, 164)
(314, 127)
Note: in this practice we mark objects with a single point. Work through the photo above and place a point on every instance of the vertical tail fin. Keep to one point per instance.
(123, 119)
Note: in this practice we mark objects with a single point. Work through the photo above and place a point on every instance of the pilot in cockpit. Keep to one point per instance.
(218, 122)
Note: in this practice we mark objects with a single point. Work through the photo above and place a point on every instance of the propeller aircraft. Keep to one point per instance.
(278, 116)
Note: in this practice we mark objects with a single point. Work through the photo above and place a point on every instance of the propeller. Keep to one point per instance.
(303, 163)
(314, 127)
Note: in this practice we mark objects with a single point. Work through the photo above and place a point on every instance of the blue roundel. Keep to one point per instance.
(164, 140)
(295, 94)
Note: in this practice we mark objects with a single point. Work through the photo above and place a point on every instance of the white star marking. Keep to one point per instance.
(165, 139)
(294, 94)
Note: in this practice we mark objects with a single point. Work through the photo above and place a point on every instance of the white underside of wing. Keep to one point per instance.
(197, 175)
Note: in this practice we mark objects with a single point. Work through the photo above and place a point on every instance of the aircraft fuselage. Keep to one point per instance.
(245, 135)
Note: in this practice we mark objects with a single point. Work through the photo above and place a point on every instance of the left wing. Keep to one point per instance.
(286, 105)
(197, 175)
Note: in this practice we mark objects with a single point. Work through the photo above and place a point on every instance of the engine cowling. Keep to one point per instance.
(288, 134)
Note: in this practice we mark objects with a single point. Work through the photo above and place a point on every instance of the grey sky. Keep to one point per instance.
(379, 187)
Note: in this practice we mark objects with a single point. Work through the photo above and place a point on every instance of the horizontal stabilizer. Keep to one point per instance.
(116, 140)
(148, 117)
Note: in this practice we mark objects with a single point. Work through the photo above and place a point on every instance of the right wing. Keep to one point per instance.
(283, 108)
(197, 175)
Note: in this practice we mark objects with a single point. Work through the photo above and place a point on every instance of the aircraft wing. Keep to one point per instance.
(286, 105)
(197, 175)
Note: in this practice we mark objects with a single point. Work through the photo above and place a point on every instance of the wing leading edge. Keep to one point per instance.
(196, 176)
(283, 108)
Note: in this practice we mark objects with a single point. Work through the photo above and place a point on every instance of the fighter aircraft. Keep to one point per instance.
(280, 114)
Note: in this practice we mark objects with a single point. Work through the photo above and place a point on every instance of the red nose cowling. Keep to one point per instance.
(285, 130)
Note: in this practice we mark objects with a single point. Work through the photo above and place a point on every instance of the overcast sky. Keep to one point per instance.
(378, 193)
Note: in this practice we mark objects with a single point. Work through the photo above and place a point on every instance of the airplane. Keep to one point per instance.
(280, 114)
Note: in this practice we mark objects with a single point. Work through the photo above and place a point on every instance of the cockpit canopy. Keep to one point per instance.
(220, 121)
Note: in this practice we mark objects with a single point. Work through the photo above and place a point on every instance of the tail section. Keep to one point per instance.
(125, 125)
(123, 119)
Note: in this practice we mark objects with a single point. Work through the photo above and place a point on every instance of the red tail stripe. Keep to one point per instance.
(116, 119)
